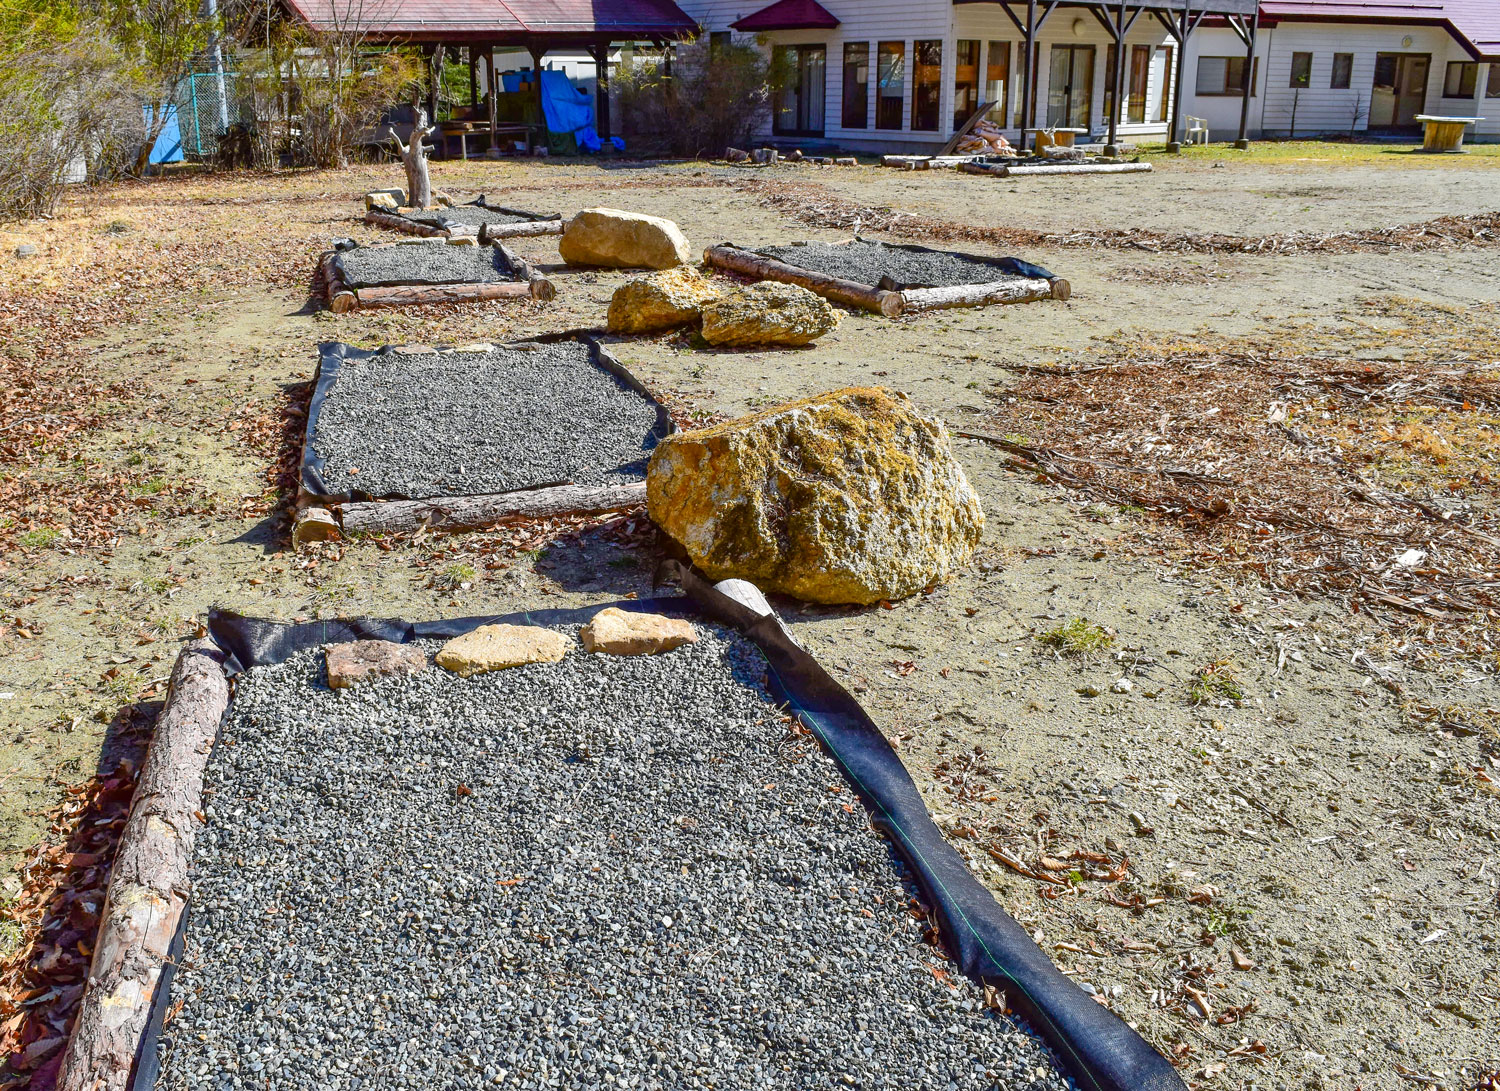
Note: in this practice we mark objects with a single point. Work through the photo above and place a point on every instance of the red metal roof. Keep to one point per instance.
(788, 15)
(499, 21)
(1474, 23)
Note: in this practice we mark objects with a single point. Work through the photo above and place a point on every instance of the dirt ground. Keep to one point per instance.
(1310, 898)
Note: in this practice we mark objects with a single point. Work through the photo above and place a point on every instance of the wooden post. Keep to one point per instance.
(1248, 83)
(601, 90)
(473, 76)
(1180, 71)
(1028, 73)
(489, 59)
(149, 885)
(434, 55)
(537, 53)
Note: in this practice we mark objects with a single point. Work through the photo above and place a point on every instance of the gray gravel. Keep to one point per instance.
(470, 423)
(471, 214)
(603, 872)
(423, 263)
(867, 262)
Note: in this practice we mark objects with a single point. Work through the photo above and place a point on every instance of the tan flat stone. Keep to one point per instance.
(496, 647)
(620, 632)
(361, 659)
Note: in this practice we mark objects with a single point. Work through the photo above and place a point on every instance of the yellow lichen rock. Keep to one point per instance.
(768, 313)
(623, 240)
(847, 497)
(497, 647)
(660, 301)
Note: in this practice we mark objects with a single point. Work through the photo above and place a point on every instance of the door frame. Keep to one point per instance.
(1403, 60)
(1084, 87)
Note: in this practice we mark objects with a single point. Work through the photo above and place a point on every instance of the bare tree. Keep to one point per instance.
(414, 158)
(1356, 113)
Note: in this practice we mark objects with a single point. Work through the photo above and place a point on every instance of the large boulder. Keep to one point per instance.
(768, 313)
(623, 240)
(659, 302)
(848, 497)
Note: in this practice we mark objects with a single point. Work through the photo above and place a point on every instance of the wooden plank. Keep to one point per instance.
(974, 118)
(1074, 168)
(848, 292)
(149, 885)
(474, 512)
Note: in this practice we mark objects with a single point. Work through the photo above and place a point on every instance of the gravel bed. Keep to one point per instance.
(469, 423)
(423, 263)
(601, 872)
(471, 214)
(867, 262)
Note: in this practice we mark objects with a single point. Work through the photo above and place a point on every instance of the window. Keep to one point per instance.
(965, 82)
(799, 103)
(856, 85)
(926, 84)
(1163, 104)
(1301, 70)
(890, 84)
(997, 79)
(1140, 73)
(1492, 87)
(1224, 76)
(1461, 79)
(718, 43)
(1343, 68)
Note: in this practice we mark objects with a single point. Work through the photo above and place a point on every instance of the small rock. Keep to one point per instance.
(621, 632)
(361, 659)
(623, 240)
(388, 200)
(768, 313)
(1089, 691)
(1241, 960)
(1124, 685)
(496, 647)
(736, 155)
(25, 250)
(441, 199)
(461, 240)
(659, 302)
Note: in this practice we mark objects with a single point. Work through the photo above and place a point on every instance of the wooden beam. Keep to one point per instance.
(1014, 290)
(850, 293)
(1247, 82)
(1005, 7)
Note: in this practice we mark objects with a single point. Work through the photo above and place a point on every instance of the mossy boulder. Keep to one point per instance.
(674, 297)
(847, 497)
(766, 314)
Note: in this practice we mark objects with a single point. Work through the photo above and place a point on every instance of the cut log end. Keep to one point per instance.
(1061, 289)
(342, 301)
(314, 525)
(543, 289)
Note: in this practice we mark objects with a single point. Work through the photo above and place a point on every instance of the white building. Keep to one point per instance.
(888, 75)
(1323, 67)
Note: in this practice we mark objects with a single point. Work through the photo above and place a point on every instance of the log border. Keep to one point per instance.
(892, 304)
(149, 885)
(484, 232)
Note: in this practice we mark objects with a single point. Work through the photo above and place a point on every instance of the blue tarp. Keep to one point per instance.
(567, 109)
(168, 146)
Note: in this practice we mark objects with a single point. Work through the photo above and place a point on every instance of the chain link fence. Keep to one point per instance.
(208, 104)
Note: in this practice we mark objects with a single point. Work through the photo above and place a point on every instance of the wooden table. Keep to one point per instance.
(1445, 134)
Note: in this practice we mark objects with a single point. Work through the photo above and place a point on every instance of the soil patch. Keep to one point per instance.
(423, 263)
(462, 424)
(618, 870)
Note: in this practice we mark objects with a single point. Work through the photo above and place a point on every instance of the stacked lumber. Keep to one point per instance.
(985, 138)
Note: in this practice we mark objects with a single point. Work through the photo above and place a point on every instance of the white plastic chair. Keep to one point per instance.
(1197, 129)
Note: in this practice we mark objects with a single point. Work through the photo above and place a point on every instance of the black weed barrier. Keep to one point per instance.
(1094, 1046)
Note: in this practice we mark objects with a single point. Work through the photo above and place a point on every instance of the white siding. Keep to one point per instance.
(1322, 109)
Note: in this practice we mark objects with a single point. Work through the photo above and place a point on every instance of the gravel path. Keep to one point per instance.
(866, 262)
(471, 423)
(423, 263)
(603, 872)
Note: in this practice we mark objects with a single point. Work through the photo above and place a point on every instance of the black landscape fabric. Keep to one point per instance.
(557, 442)
(437, 262)
(478, 212)
(897, 266)
(1094, 1045)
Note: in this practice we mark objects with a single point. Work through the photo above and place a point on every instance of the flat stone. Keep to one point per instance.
(674, 297)
(623, 240)
(768, 313)
(361, 659)
(620, 632)
(496, 647)
(388, 200)
(25, 250)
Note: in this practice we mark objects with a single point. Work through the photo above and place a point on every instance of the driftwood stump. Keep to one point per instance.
(149, 885)
(414, 158)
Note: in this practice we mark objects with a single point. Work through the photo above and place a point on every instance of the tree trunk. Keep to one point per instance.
(414, 158)
(1017, 290)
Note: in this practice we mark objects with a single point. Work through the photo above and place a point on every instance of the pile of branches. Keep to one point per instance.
(816, 206)
(1238, 451)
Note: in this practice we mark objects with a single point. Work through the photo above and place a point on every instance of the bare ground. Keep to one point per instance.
(1331, 817)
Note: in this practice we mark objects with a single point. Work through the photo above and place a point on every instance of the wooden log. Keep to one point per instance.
(314, 524)
(401, 295)
(473, 512)
(490, 232)
(1014, 290)
(1075, 168)
(401, 223)
(149, 884)
(340, 298)
(837, 289)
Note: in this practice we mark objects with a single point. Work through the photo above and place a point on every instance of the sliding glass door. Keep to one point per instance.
(799, 106)
(1070, 87)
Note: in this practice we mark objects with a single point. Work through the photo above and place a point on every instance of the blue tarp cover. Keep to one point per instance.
(567, 109)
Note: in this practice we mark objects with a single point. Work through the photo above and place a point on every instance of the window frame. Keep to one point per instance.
(927, 92)
(1492, 81)
(1469, 69)
(1164, 104)
(882, 51)
(1346, 62)
(1231, 90)
(972, 89)
(1300, 76)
